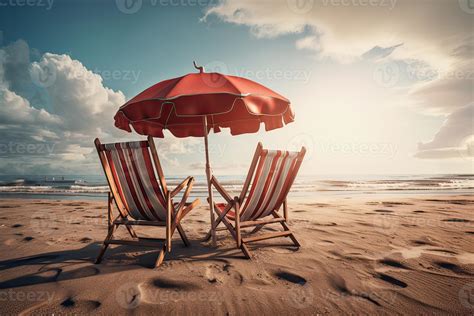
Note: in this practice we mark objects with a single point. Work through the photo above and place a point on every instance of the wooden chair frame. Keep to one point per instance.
(175, 211)
(236, 228)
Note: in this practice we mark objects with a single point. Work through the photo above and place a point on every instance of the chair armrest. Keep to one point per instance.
(222, 191)
(181, 186)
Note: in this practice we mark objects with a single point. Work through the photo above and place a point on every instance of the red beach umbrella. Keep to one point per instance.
(196, 103)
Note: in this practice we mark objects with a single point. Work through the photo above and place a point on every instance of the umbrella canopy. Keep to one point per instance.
(194, 104)
(180, 104)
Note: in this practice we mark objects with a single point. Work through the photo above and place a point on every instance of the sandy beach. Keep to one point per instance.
(359, 254)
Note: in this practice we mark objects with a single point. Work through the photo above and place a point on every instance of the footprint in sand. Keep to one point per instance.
(283, 250)
(372, 203)
(339, 284)
(456, 220)
(423, 242)
(290, 277)
(445, 251)
(82, 305)
(223, 274)
(94, 216)
(391, 204)
(69, 302)
(167, 284)
(393, 263)
(451, 267)
(75, 204)
(129, 295)
(86, 240)
(324, 224)
(383, 211)
(389, 279)
(458, 202)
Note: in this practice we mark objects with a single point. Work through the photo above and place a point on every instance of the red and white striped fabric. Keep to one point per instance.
(271, 183)
(133, 173)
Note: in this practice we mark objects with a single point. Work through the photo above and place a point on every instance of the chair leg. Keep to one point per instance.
(105, 245)
(209, 233)
(295, 241)
(183, 235)
(245, 250)
(161, 257)
(292, 236)
(132, 232)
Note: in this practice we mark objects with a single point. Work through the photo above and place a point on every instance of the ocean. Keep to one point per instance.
(304, 188)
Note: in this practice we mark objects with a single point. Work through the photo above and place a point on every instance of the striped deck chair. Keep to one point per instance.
(273, 173)
(141, 199)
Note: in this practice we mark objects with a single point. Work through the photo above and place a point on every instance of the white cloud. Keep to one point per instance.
(80, 108)
(452, 88)
(455, 139)
(342, 29)
(437, 39)
(77, 94)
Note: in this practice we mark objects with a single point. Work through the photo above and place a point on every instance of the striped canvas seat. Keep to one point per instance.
(139, 192)
(132, 169)
(273, 177)
(264, 192)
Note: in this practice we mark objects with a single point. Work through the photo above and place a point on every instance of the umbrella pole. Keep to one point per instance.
(209, 186)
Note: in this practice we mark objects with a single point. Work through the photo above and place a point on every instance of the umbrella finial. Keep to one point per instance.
(201, 68)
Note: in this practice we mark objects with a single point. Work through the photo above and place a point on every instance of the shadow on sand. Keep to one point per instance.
(53, 265)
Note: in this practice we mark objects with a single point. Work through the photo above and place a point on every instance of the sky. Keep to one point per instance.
(378, 86)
